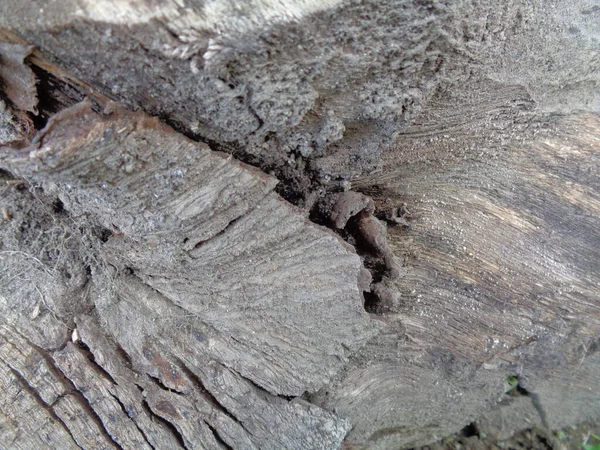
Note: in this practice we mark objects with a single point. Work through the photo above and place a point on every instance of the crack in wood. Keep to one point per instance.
(251, 110)
(537, 404)
(208, 396)
(168, 425)
(162, 386)
(128, 414)
(40, 401)
(59, 398)
(71, 389)
(126, 359)
(83, 348)
(229, 225)
(222, 232)
(217, 437)
(263, 391)
(81, 398)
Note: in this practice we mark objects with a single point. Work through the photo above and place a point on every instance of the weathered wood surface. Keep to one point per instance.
(500, 276)
(209, 282)
(19, 95)
(328, 81)
(210, 313)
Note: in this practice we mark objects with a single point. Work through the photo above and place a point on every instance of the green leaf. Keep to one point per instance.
(510, 383)
(591, 446)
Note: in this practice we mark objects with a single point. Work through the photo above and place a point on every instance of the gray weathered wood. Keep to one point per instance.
(212, 314)
(210, 283)
(499, 277)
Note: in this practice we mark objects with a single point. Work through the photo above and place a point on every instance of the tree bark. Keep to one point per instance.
(420, 225)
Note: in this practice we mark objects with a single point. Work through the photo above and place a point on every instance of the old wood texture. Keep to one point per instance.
(500, 276)
(224, 303)
(19, 95)
(158, 294)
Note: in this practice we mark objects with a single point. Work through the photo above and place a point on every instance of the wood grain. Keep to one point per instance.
(499, 277)
(226, 302)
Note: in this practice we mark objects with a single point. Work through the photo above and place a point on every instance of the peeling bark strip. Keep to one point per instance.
(268, 301)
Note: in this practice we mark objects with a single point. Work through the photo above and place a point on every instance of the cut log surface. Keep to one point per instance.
(499, 277)
(157, 294)
(222, 302)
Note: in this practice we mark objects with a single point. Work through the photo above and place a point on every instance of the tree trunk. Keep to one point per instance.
(417, 232)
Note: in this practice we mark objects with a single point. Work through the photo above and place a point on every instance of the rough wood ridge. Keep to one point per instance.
(217, 293)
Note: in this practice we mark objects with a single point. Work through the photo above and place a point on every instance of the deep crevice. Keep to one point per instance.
(103, 234)
(218, 438)
(520, 390)
(200, 386)
(53, 96)
(470, 430)
(87, 407)
(72, 389)
(303, 187)
(515, 389)
(40, 401)
(168, 425)
(371, 303)
(124, 355)
(85, 350)
(58, 207)
(129, 416)
(6, 175)
(161, 385)
(297, 186)
(77, 394)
